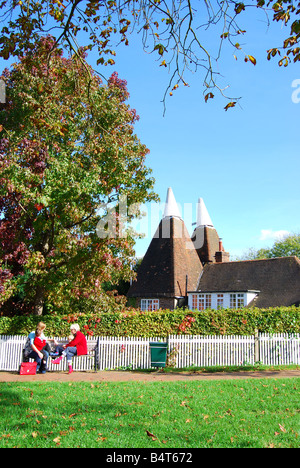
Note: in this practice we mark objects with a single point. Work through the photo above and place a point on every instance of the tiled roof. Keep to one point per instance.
(170, 258)
(206, 243)
(277, 279)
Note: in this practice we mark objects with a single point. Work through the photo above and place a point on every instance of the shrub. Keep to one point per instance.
(134, 322)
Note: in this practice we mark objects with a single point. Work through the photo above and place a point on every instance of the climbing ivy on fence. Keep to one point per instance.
(134, 322)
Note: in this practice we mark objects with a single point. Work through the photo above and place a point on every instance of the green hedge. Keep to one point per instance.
(133, 322)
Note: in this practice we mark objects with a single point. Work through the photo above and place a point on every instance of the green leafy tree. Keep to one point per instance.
(287, 247)
(65, 150)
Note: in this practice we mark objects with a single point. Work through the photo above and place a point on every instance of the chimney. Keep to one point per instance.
(222, 256)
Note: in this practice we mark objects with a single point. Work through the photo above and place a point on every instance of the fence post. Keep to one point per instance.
(256, 346)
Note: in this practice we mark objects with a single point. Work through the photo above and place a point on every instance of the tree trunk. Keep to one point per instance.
(39, 300)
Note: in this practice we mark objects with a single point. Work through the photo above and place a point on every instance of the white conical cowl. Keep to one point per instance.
(171, 208)
(203, 218)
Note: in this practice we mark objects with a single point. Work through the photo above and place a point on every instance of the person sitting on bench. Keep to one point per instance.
(77, 347)
(41, 345)
(32, 352)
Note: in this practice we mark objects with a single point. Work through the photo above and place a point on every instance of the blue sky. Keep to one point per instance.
(244, 162)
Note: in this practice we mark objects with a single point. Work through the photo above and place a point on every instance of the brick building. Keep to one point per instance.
(170, 266)
(180, 270)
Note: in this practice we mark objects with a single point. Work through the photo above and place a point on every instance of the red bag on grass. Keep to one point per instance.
(28, 368)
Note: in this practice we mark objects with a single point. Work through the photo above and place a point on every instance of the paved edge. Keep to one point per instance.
(122, 376)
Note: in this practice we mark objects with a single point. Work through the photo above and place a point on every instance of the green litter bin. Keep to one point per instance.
(158, 354)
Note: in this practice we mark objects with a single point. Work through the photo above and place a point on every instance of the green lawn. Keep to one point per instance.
(236, 413)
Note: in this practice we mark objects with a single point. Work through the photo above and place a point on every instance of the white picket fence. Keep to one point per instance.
(184, 350)
(279, 349)
(212, 350)
(11, 354)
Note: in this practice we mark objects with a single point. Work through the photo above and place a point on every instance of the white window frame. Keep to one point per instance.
(237, 300)
(149, 304)
(220, 300)
(217, 300)
(201, 301)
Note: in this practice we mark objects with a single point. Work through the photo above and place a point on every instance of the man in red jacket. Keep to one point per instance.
(76, 347)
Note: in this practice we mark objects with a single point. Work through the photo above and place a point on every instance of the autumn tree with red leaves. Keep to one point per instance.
(66, 148)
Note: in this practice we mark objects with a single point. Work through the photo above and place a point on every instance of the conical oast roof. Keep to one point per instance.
(203, 218)
(205, 236)
(171, 207)
(171, 264)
